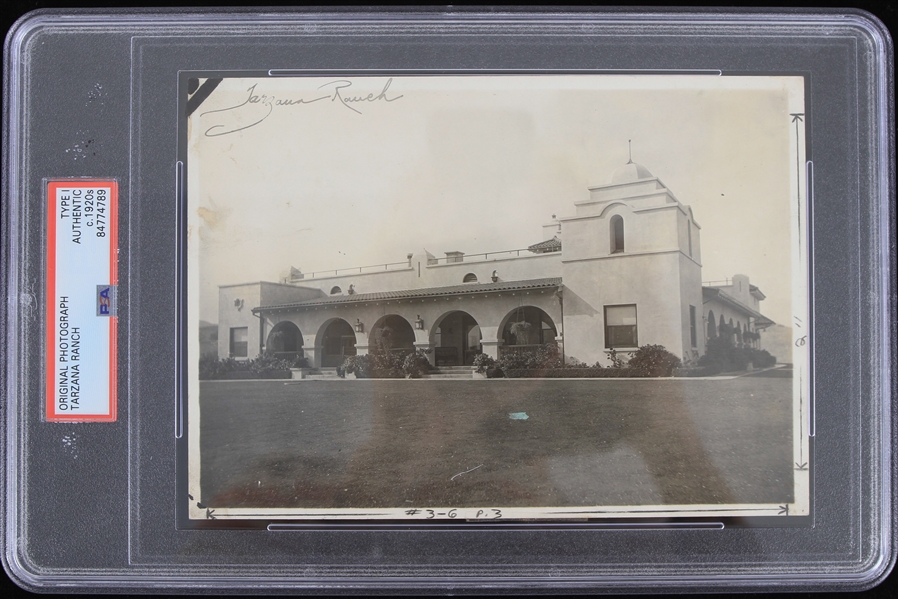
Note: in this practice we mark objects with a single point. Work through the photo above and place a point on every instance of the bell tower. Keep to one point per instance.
(632, 269)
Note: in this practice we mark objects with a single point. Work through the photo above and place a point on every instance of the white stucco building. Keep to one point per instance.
(623, 270)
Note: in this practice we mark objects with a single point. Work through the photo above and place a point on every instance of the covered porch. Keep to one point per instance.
(451, 324)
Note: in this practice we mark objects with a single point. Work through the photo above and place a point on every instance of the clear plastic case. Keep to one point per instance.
(121, 169)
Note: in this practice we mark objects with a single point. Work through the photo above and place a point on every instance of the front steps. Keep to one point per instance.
(450, 372)
(323, 374)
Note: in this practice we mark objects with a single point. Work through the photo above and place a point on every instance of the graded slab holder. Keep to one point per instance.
(136, 491)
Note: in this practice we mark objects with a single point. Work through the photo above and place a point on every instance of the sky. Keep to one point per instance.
(289, 172)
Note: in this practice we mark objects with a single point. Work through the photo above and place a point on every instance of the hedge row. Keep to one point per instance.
(723, 356)
(558, 373)
(266, 366)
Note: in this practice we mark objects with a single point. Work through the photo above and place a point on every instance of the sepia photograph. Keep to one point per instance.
(496, 297)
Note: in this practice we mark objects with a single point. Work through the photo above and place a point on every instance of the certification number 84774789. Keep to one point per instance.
(95, 207)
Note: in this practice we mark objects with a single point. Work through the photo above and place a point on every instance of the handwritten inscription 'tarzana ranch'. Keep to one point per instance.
(336, 91)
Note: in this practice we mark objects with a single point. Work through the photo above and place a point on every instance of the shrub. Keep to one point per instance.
(763, 358)
(718, 352)
(482, 362)
(423, 360)
(573, 362)
(359, 365)
(415, 364)
(544, 356)
(387, 365)
(547, 356)
(232, 365)
(726, 333)
(410, 366)
(655, 360)
(300, 362)
(267, 365)
(262, 367)
(616, 361)
(722, 354)
(494, 372)
(514, 360)
(210, 367)
(741, 357)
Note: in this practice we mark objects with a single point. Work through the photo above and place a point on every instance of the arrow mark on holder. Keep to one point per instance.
(797, 118)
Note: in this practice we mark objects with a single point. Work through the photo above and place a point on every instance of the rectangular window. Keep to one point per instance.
(620, 326)
(239, 342)
(693, 335)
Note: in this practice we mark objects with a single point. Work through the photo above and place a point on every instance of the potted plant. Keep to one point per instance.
(521, 332)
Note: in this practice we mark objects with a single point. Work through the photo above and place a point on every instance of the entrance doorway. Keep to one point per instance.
(338, 342)
(457, 340)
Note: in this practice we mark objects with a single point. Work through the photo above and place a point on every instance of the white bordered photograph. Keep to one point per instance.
(497, 297)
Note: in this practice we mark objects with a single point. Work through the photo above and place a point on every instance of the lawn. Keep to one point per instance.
(394, 443)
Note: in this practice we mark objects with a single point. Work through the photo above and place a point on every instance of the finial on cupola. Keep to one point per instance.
(630, 151)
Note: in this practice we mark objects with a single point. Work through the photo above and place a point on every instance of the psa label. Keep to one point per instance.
(81, 290)
(106, 300)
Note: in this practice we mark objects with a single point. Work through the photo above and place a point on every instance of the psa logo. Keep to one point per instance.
(106, 300)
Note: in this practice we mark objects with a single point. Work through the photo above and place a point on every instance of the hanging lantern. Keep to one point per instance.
(419, 324)
(359, 326)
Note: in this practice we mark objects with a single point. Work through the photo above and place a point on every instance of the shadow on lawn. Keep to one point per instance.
(422, 454)
(518, 457)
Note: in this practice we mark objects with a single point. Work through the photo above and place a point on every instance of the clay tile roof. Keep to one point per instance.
(551, 245)
(464, 289)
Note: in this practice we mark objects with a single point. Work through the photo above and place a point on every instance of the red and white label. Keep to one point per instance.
(82, 280)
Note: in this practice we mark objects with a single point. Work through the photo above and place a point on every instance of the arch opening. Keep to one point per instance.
(392, 333)
(470, 278)
(526, 329)
(337, 342)
(726, 331)
(712, 325)
(617, 234)
(335, 290)
(456, 339)
(284, 341)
